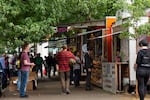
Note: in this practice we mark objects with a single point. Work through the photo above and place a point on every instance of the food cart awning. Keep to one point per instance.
(84, 33)
(103, 36)
(97, 30)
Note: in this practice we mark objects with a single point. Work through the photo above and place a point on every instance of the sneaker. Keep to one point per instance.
(68, 91)
(63, 92)
(24, 96)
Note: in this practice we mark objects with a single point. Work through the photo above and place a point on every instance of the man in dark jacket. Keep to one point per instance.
(39, 61)
(88, 65)
(49, 62)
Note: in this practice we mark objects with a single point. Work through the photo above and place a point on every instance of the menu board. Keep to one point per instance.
(109, 77)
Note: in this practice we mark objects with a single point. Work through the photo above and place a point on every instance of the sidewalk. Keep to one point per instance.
(50, 90)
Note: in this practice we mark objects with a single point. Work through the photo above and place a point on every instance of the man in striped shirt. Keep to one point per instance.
(63, 67)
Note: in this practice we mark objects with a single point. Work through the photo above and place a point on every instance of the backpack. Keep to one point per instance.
(18, 64)
(145, 62)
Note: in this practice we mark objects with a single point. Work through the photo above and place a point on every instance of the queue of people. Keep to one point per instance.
(66, 63)
(22, 63)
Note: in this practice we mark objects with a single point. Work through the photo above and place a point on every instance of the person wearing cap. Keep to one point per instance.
(143, 68)
(63, 68)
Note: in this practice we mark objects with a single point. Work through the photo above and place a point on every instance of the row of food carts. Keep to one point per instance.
(114, 68)
(114, 58)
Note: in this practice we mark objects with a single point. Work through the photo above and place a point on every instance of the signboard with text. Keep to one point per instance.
(61, 29)
(109, 77)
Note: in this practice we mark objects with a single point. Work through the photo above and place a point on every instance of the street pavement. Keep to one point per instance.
(50, 90)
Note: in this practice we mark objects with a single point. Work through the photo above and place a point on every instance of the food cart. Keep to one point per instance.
(119, 75)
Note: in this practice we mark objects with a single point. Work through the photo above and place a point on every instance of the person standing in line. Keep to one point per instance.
(143, 68)
(32, 59)
(39, 61)
(71, 70)
(118, 57)
(25, 67)
(54, 65)
(77, 69)
(4, 75)
(88, 66)
(7, 66)
(18, 67)
(49, 62)
(13, 64)
(63, 67)
(45, 65)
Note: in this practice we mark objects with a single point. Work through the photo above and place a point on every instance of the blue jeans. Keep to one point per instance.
(24, 79)
(19, 80)
(71, 73)
(77, 77)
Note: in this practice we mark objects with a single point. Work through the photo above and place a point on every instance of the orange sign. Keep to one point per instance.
(109, 22)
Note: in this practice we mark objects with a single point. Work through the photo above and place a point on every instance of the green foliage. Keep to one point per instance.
(25, 20)
(85, 10)
(124, 34)
(144, 29)
(137, 9)
(32, 20)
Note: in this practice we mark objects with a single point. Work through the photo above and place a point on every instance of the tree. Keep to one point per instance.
(85, 10)
(32, 20)
(26, 20)
(88, 10)
(137, 10)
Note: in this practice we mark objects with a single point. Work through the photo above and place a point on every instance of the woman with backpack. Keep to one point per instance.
(143, 68)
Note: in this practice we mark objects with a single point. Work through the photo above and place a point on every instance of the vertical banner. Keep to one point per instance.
(109, 21)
